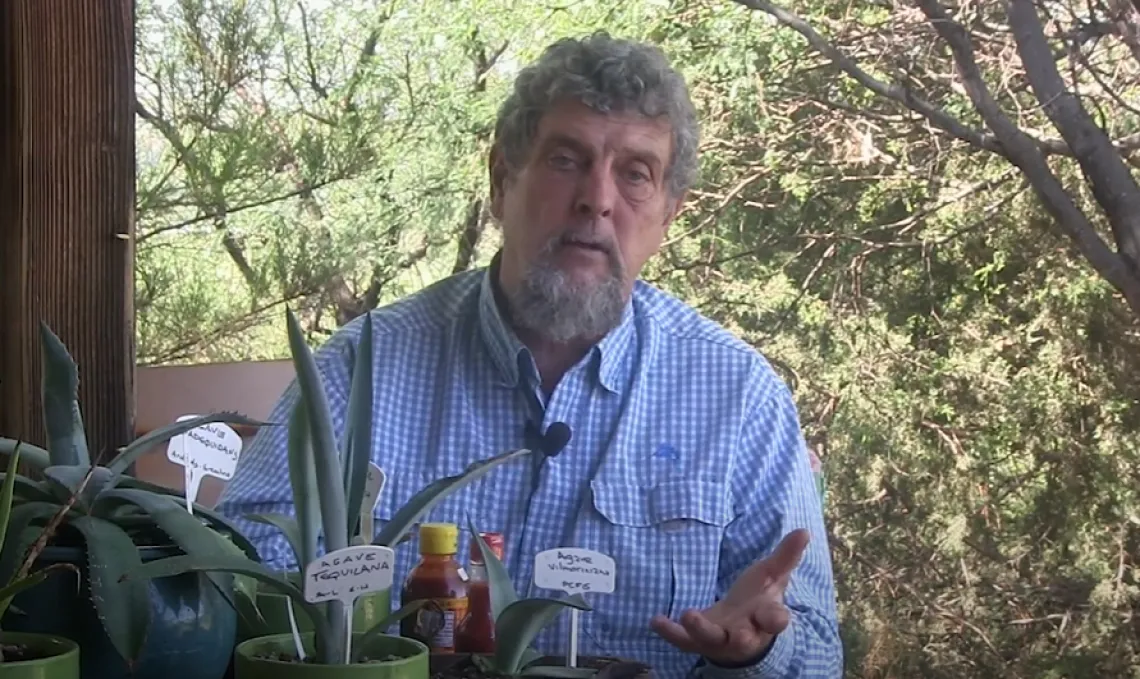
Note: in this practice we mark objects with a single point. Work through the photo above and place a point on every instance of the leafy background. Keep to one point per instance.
(968, 380)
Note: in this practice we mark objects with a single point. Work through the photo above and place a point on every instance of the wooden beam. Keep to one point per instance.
(67, 193)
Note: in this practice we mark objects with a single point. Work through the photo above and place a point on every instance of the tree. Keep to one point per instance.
(1103, 161)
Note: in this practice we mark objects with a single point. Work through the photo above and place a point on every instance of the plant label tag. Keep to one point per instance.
(349, 573)
(575, 571)
(210, 450)
(373, 484)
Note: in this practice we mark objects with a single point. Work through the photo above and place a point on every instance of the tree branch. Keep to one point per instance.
(1109, 178)
(1024, 153)
(937, 117)
(214, 214)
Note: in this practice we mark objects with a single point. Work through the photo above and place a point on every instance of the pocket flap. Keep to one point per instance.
(625, 504)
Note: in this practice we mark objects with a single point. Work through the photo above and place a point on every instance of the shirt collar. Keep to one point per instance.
(511, 356)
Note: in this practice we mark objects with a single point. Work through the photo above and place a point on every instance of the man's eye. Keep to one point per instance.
(562, 161)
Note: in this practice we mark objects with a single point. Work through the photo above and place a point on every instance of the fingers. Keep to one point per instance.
(702, 630)
(771, 619)
(695, 631)
(787, 555)
(673, 633)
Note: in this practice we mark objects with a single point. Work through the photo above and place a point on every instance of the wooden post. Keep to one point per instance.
(67, 193)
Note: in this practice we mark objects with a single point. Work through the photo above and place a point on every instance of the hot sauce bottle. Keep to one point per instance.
(440, 580)
(476, 632)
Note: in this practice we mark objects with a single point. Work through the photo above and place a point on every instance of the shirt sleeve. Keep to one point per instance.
(261, 483)
(776, 493)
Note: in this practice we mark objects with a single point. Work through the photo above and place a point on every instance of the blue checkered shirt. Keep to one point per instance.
(686, 464)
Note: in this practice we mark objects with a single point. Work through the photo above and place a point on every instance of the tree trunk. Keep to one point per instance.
(67, 192)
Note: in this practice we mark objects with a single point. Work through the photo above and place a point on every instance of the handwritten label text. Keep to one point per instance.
(574, 571)
(348, 573)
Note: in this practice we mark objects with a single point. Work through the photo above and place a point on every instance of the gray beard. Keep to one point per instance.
(549, 305)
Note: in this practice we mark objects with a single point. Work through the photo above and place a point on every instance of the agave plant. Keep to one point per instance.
(518, 621)
(328, 490)
(112, 512)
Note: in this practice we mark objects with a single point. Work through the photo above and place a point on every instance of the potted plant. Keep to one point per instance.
(517, 622)
(328, 487)
(270, 611)
(110, 522)
(22, 655)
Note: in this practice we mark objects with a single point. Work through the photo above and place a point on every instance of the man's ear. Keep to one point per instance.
(497, 171)
(673, 208)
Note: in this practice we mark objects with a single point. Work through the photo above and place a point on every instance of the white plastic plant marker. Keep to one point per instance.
(296, 632)
(574, 571)
(210, 450)
(373, 484)
(347, 574)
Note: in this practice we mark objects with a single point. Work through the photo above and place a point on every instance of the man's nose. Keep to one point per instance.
(596, 192)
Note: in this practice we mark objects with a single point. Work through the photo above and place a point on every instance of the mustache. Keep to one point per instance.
(582, 238)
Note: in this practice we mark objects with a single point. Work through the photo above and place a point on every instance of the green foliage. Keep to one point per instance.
(518, 621)
(107, 514)
(328, 489)
(22, 580)
(968, 382)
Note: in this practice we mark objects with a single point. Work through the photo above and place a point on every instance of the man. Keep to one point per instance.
(686, 463)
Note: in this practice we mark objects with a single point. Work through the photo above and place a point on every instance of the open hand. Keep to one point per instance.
(740, 626)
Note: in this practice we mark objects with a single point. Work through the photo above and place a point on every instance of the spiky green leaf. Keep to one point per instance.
(25, 524)
(6, 492)
(188, 532)
(29, 581)
(215, 520)
(519, 623)
(334, 519)
(357, 443)
(122, 607)
(29, 490)
(128, 454)
(67, 481)
(29, 454)
(67, 440)
(499, 583)
(303, 479)
(436, 491)
(381, 627)
(327, 649)
(289, 528)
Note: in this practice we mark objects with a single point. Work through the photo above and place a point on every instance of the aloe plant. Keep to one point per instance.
(518, 621)
(328, 488)
(111, 512)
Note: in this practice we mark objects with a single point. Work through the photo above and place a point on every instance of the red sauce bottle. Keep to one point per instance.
(476, 632)
(440, 579)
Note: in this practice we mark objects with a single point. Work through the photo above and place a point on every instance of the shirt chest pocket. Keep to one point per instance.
(665, 540)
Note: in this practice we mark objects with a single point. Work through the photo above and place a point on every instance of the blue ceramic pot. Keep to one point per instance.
(192, 632)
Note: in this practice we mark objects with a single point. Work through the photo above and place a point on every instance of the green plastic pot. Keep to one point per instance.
(412, 662)
(60, 661)
(370, 609)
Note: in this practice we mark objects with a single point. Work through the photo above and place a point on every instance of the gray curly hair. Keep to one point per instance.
(606, 74)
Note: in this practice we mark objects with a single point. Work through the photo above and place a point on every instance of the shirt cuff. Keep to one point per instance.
(772, 663)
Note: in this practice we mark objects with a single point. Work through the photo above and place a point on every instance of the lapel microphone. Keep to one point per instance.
(555, 440)
(549, 444)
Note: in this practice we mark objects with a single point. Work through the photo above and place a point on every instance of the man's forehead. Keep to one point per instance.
(574, 122)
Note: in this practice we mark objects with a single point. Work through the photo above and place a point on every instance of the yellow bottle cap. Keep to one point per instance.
(439, 538)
